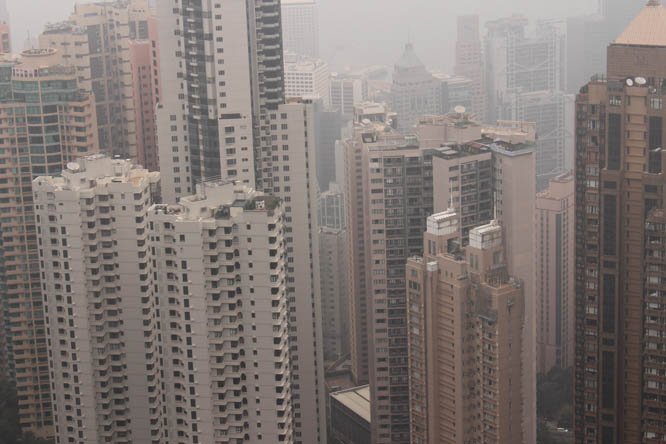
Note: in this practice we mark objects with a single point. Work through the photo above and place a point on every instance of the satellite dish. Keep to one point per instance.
(459, 109)
(73, 166)
(640, 81)
(630, 82)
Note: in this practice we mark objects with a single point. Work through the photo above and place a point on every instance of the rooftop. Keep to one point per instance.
(648, 28)
(356, 399)
(409, 58)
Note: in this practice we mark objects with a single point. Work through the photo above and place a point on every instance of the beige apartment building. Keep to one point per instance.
(504, 190)
(389, 195)
(466, 321)
(333, 259)
(101, 310)
(97, 41)
(555, 273)
(482, 173)
(46, 121)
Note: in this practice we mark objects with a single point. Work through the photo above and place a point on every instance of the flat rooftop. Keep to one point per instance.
(356, 399)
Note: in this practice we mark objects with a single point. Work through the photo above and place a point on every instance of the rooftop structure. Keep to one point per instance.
(647, 29)
(414, 91)
(350, 415)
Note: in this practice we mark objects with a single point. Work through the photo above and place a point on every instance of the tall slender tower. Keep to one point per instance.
(388, 196)
(554, 249)
(620, 185)
(101, 312)
(223, 115)
(469, 62)
(466, 316)
(60, 119)
(221, 271)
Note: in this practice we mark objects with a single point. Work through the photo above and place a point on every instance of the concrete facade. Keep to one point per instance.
(300, 27)
(308, 78)
(415, 92)
(102, 321)
(221, 268)
(333, 260)
(470, 63)
(466, 321)
(555, 274)
(388, 194)
(146, 85)
(96, 39)
(347, 92)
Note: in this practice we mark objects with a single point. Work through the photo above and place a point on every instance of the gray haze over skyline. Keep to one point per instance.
(358, 33)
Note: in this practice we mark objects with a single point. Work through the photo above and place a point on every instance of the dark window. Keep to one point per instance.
(608, 306)
(608, 381)
(614, 141)
(607, 435)
(655, 132)
(610, 223)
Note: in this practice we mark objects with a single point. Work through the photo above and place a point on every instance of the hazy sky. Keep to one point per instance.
(355, 32)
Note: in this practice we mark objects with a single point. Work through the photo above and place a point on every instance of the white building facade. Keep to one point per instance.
(101, 311)
(300, 27)
(305, 77)
(220, 261)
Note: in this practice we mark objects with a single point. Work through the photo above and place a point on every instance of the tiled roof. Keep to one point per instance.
(648, 28)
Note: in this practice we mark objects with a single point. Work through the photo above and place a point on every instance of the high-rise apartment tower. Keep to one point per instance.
(47, 121)
(619, 376)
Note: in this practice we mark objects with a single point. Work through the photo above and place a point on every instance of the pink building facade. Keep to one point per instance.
(555, 274)
(145, 64)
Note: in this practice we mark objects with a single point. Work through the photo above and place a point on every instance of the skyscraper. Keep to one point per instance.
(300, 27)
(619, 389)
(466, 328)
(100, 304)
(388, 195)
(415, 91)
(553, 113)
(47, 122)
(463, 180)
(100, 49)
(346, 92)
(223, 115)
(190, 344)
(517, 62)
(469, 62)
(146, 91)
(221, 271)
(5, 29)
(555, 274)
